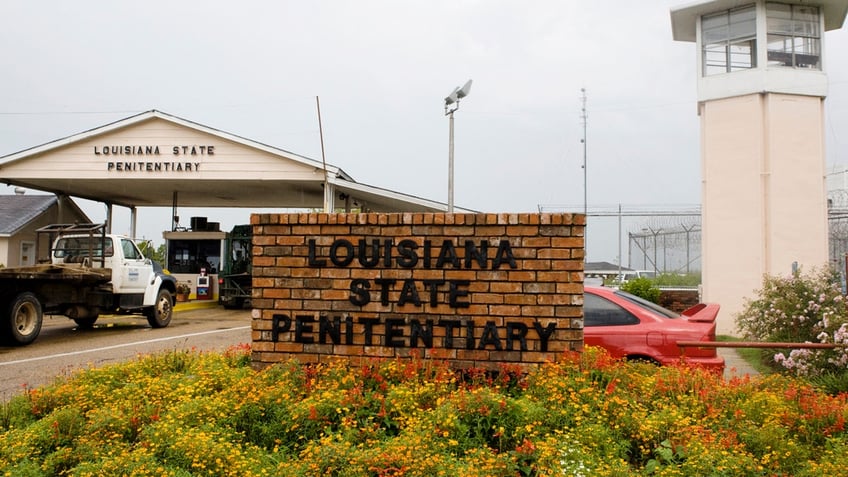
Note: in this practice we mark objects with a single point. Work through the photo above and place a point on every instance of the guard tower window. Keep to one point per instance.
(729, 40)
(794, 36)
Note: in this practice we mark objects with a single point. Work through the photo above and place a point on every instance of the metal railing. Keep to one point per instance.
(756, 344)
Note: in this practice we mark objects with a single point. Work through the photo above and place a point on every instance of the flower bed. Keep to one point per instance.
(184, 413)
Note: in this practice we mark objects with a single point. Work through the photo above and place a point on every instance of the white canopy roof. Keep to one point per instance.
(156, 159)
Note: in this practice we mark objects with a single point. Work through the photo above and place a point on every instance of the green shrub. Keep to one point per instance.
(832, 382)
(644, 288)
(800, 308)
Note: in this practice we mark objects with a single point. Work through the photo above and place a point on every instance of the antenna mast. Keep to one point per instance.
(584, 117)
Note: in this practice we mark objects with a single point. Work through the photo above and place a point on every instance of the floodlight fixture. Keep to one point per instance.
(453, 97)
(452, 100)
(463, 92)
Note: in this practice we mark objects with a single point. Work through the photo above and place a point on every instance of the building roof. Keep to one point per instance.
(684, 17)
(102, 164)
(603, 267)
(18, 210)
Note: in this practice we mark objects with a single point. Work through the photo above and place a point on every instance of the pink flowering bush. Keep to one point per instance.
(800, 308)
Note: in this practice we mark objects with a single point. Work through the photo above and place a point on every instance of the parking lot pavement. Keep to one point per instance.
(734, 365)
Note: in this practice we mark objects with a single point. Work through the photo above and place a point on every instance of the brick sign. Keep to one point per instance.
(474, 289)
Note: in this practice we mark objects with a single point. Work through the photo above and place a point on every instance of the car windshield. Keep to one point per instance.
(647, 304)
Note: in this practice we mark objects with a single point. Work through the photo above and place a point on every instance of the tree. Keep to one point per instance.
(157, 254)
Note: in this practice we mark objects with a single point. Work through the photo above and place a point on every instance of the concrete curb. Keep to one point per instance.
(195, 305)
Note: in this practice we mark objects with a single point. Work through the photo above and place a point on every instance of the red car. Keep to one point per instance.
(633, 328)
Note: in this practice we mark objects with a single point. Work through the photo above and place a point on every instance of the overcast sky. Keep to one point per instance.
(382, 70)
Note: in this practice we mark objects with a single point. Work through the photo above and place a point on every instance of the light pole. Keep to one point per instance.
(451, 105)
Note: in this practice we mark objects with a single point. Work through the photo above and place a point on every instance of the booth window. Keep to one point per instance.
(794, 36)
(729, 40)
(190, 256)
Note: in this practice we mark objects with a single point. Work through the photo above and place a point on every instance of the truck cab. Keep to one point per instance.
(131, 271)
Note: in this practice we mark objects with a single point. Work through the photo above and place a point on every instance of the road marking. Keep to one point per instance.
(134, 343)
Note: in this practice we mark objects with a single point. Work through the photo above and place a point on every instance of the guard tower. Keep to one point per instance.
(761, 89)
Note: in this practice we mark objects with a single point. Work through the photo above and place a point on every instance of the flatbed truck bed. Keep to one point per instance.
(58, 272)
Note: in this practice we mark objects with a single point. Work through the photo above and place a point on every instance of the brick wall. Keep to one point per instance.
(475, 289)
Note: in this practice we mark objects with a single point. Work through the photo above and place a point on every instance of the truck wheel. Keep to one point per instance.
(159, 315)
(23, 319)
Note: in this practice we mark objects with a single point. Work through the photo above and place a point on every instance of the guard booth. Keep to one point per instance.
(194, 256)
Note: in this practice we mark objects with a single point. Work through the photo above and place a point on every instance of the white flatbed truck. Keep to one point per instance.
(88, 273)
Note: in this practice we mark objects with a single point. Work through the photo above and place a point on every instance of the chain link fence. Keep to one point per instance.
(667, 240)
(657, 240)
(670, 248)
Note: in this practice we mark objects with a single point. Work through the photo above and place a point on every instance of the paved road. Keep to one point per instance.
(62, 348)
